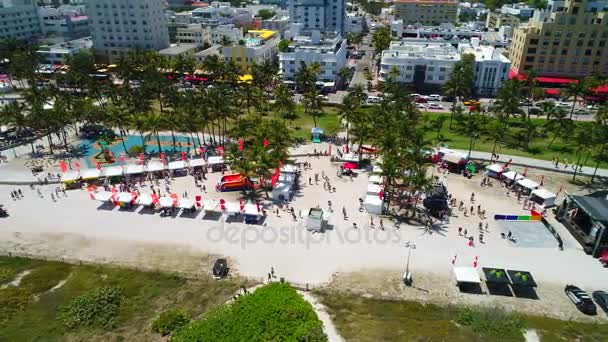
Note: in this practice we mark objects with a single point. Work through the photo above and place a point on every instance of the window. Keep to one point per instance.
(431, 68)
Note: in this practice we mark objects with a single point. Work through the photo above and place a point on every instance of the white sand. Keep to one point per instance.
(74, 227)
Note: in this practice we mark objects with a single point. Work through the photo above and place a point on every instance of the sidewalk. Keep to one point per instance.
(535, 163)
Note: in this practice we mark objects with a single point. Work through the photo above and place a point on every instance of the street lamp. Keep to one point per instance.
(407, 277)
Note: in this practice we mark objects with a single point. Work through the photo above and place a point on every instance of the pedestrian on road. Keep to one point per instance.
(460, 230)
(472, 197)
(381, 224)
(272, 271)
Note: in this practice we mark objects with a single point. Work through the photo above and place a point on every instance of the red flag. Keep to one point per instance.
(183, 155)
(525, 172)
(380, 194)
(162, 155)
(141, 158)
(202, 149)
(122, 159)
(329, 150)
(265, 142)
(63, 166)
(542, 180)
(97, 165)
(240, 144)
(77, 165)
(220, 149)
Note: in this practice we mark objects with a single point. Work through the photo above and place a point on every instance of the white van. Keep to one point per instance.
(434, 97)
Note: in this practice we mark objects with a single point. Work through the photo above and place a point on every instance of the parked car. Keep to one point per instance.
(535, 111)
(421, 106)
(592, 107)
(434, 97)
(581, 300)
(563, 104)
(469, 103)
(220, 269)
(435, 106)
(373, 99)
(601, 298)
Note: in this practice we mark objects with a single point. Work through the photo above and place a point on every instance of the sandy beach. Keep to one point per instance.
(78, 228)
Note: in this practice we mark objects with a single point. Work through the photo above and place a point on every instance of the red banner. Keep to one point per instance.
(141, 158)
(183, 155)
(63, 166)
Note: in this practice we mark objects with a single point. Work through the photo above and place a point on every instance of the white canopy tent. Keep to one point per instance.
(197, 162)
(512, 176)
(90, 173)
(165, 202)
(376, 179)
(133, 169)
(111, 171)
(467, 275)
(528, 184)
(185, 203)
(232, 208)
(373, 189)
(177, 164)
(251, 209)
(103, 196)
(287, 177)
(124, 197)
(377, 169)
(154, 166)
(210, 205)
(144, 199)
(215, 160)
(494, 170)
(70, 176)
(543, 197)
(373, 204)
(288, 169)
(350, 157)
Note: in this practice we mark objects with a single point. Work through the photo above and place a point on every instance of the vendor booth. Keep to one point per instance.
(373, 204)
(586, 217)
(282, 192)
(216, 163)
(374, 189)
(252, 213)
(145, 200)
(186, 204)
(376, 179)
(124, 199)
(196, 164)
(494, 170)
(316, 220)
(111, 171)
(231, 208)
(89, 174)
(156, 167)
(543, 197)
(467, 279)
(210, 205)
(178, 168)
(134, 169)
(316, 134)
(455, 162)
(526, 185)
(103, 196)
(510, 177)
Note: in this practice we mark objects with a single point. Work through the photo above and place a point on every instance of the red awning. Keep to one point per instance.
(555, 80)
(552, 91)
(349, 166)
(601, 89)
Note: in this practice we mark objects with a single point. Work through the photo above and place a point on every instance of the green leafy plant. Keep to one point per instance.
(97, 308)
(494, 321)
(12, 301)
(136, 149)
(170, 321)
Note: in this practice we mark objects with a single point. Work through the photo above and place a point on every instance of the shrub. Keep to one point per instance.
(136, 149)
(6, 274)
(170, 321)
(97, 308)
(12, 301)
(493, 321)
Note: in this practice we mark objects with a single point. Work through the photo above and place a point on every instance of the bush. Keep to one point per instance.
(97, 308)
(495, 322)
(136, 149)
(275, 312)
(170, 321)
(13, 300)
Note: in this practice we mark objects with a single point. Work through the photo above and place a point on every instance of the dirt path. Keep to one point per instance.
(328, 325)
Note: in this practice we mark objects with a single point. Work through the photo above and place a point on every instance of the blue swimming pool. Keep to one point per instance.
(90, 149)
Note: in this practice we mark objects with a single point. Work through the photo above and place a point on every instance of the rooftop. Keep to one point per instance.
(439, 51)
(427, 2)
(178, 49)
(77, 44)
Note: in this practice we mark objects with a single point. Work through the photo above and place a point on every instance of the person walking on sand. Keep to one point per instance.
(381, 224)
(272, 271)
(459, 230)
(465, 233)
(472, 197)
(344, 212)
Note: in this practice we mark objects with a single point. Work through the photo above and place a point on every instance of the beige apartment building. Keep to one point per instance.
(495, 20)
(567, 43)
(426, 12)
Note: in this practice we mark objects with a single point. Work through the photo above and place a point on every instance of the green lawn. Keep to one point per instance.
(32, 312)
(329, 121)
(363, 319)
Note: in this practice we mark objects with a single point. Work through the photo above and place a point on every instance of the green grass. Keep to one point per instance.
(329, 121)
(364, 319)
(36, 313)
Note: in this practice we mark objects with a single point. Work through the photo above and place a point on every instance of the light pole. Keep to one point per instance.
(407, 277)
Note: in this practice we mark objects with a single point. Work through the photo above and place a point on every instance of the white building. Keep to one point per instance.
(175, 50)
(70, 22)
(323, 15)
(521, 10)
(258, 46)
(19, 19)
(58, 53)
(424, 64)
(329, 50)
(355, 23)
(208, 35)
(119, 26)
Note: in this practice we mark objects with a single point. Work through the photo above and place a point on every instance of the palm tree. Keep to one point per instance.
(284, 105)
(495, 131)
(508, 99)
(581, 139)
(460, 82)
(438, 123)
(313, 104)
(348, 110)
(345, 74)
(557, 122)
(419, 182)
(576, 90)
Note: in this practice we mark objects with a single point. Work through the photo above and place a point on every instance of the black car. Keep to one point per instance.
(601, 298)
(220, 269)
(581, 299)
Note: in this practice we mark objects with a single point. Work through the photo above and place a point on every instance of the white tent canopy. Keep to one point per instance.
(373, 204)
(210, 205)
(251, 209)
(466, 275)
(215, 160)
(144, 199)
(70, 176)
(111, 171)
(374, 189)
(528, 184)
(177, 164)
(281, 189)
(197, 162)
(90, 173)
(154, 166)
(496, 168)
(350, 157)
(232, 208)
(132, 169)
(103, 196)
(375, 179)
(512, 175)
(287, 178)
(124, 197)
(543, 197)
(288, 169)
(185, 203)
(166, 202)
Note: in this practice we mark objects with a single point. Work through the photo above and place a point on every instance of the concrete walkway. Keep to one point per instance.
(535, 163)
